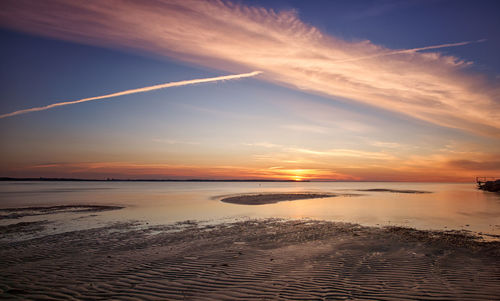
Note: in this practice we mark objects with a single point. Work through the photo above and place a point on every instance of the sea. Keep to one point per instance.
(448, 206)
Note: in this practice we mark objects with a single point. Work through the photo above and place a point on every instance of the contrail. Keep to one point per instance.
(133, 91)
(409, 50)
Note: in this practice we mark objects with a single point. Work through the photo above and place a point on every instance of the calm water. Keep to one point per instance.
(449, 206)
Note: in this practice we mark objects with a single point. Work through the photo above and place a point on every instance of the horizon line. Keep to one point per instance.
(55, 179)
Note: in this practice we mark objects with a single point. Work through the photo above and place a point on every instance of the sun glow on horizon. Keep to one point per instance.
(324, 108)
(299, 175)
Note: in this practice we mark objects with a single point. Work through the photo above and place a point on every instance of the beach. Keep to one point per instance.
(128, 248)
(256, 259)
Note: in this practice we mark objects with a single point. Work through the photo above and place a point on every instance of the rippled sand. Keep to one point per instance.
(256, 260)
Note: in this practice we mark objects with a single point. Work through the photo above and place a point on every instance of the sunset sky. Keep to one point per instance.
(348, 90)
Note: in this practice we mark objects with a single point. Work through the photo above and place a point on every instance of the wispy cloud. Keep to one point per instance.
(263, 144)
(233, 37)
(345, 153)
(384, 144)
(475, 165)
(177, 171)
(306, 128)
(408, 51)
(339, 164)
(133, 91)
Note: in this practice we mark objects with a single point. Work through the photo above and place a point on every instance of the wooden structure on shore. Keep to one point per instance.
(488, 183)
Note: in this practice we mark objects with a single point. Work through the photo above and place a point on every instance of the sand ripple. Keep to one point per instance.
(253, 260)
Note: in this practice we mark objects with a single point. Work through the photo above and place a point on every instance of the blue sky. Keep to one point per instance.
(264, 127)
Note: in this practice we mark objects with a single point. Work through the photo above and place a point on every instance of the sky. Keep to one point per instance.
(310, 90)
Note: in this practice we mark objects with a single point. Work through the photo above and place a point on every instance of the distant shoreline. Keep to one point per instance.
(42, 179)
(141, 180)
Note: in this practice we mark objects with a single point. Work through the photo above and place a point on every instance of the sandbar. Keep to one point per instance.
(271, 198)
(14, 213)
(394, 190)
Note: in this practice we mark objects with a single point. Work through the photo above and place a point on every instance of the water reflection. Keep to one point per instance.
(449, 206)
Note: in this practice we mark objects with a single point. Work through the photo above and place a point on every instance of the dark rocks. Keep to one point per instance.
(493, 186)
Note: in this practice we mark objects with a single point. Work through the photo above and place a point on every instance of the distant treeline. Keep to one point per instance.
(137, 180)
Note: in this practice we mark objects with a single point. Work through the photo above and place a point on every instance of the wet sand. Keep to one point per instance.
(22, 228)
(251, 260)
(271, 198)
(394, 190)
(15, 213)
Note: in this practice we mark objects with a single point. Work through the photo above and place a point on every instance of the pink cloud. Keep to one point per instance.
(238, 38)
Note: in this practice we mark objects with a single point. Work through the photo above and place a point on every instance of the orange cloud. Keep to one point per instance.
(125, 170)
(233, 37)
(285, 163)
